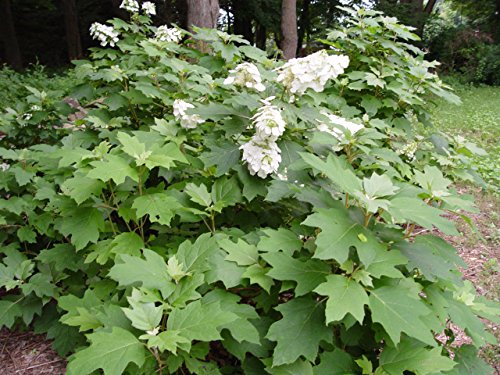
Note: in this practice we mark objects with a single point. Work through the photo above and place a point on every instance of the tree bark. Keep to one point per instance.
(430, 6)
(202, 13)
(8, 35)
(289, 28)
(73, 39)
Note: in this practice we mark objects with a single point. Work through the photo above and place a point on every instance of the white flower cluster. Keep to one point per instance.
(104, 34)
(246, 75)
(262, 156)
(187, 121)
(261, 153)
(409, 150)
(313, 71)
(4, 166)
(168, 34)
(149, 8)
(340, 126)
(268, 122)
(131, 6)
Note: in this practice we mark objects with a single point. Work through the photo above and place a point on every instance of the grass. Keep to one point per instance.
(477, 120)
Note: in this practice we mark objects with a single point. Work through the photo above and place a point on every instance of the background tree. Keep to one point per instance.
(411, 12)
(9, 38)
(202, 13)
(71, 23)
(289, 28)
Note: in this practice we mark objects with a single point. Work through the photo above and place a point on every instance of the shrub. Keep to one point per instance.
(31, 108)
(142, 241)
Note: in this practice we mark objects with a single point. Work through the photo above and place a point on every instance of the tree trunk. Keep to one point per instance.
(430, 6)
(289, 28)
(73, 39)
(8, 35)
(260, 36)
(202, 13)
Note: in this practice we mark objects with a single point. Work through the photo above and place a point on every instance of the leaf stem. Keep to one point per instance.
(409, 230)
(368, 216)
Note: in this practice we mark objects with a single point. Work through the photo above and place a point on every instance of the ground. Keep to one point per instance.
(23, 353)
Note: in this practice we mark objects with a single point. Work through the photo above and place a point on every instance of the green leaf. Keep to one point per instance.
(299, 332)
(258, 275)
(61, 257)
(338, 233)
(169, 340)
(84, 319)
(345, 296)
(133, 147)
(337, 170)
(83, 224)
(299, 367)
(384, 263)
(113, 167)
(199, 321)
(411, 355)
(41, 284)
(379, 186)
(372, 80)
(241, 252)
(195, 255)
(199, 194)
(165, 156)
(371, 104)
(26, 234)
(252, 187)
(433, 181)
(175, 269)
(463, 316)
(81, 311)
(226, 192)
(399, 310)
(224, 156)
(143, 315)
(127, 243)
(160, 207)
(279, 239)
(469, 362)
(241, 328)
(307, 274)
(220, 269)
(337, 362)
(150, 272)
(415, 210)
(9, 312)
(81, 188)
(109, 351)
(434, 257)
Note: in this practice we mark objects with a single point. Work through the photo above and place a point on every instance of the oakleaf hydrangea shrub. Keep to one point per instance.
(31, 109)
(224, 213)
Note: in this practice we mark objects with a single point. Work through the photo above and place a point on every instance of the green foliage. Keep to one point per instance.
(31, 107)
(151, 246)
